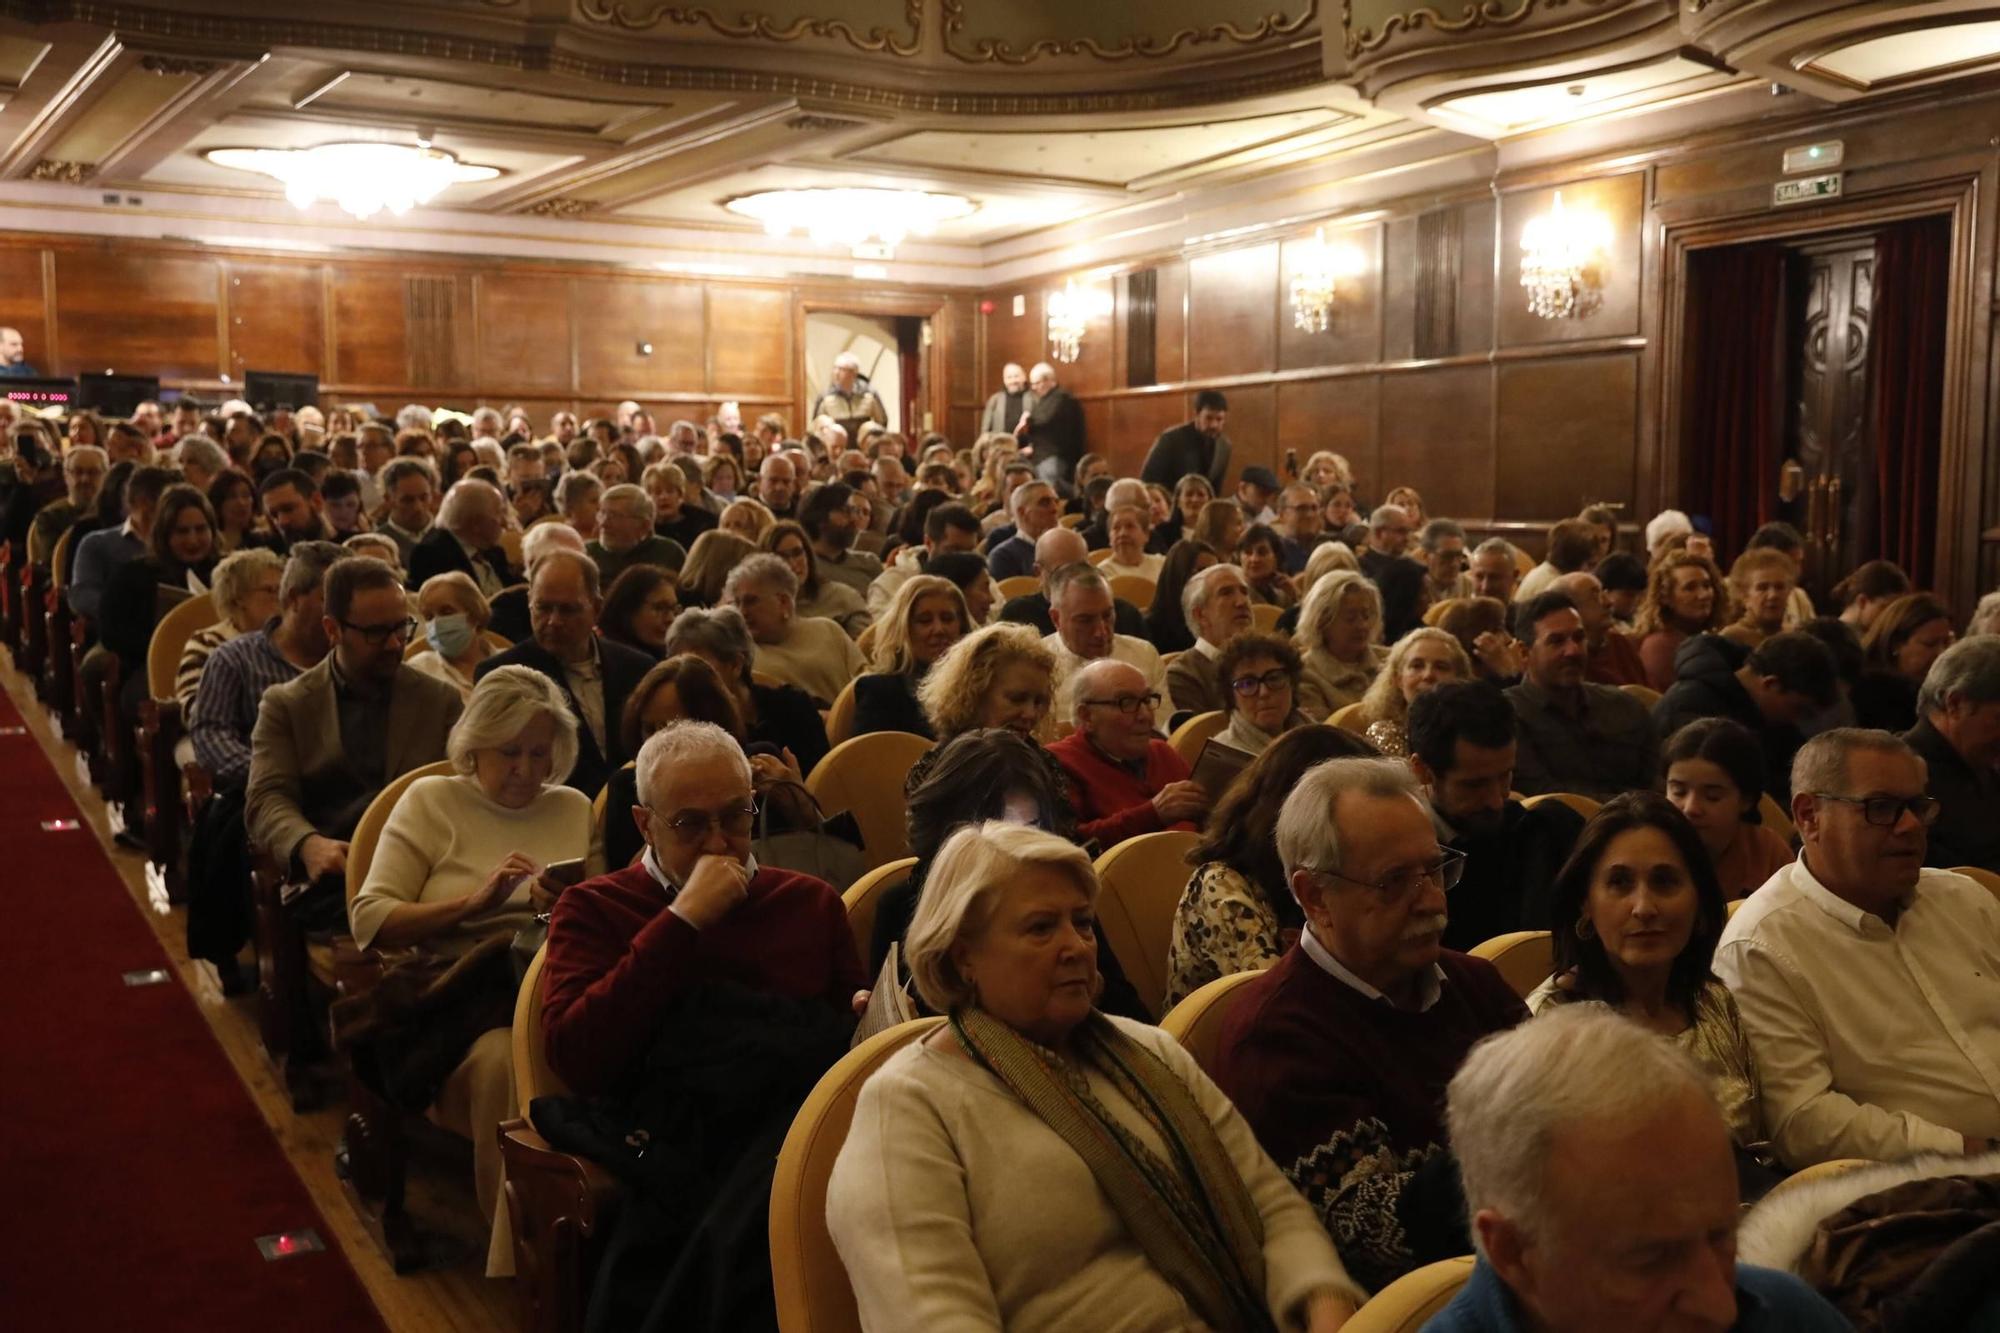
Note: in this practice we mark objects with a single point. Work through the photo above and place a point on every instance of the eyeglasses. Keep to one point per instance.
(692, 826)
(1128, 704)
(1397, 885)
(1887, 811)
(377, 635)
(1270, 680)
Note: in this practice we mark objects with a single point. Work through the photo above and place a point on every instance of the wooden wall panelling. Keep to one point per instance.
(1232, 322)
(442, 325)
(1564, 435)
(962, 425)
(614, 316)
(749, 343)
(524, 332)
(1012, 337)
(1136, 421)
(1338, 413)
(276, 317)
(1621, 202)
(1437, 436)
(1399, 289)
(1477, 221)
(25, 304)
(1096, 368)
(143, 314)
(1354, 331)
(1170, 324)
(1098, 436)
(955, 332)
(370, 327)
(1252, 429)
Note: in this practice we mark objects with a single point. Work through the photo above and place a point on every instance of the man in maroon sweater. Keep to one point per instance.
(696, 908)
(1340, 1054)
(1124, 780)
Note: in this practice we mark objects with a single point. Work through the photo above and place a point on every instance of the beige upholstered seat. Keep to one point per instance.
(1524, 957)
(1140, 885)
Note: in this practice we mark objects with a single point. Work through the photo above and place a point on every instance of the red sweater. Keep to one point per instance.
(1112, 804)
(616, 958)
(1617, 662)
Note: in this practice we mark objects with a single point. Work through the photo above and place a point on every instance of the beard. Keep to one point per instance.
(1479, 823)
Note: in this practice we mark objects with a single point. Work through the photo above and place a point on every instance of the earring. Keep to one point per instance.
(1584, 930)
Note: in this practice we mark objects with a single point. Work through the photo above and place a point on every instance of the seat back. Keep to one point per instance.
(1134, 589)
(170, 636)
(1523, 562)
(810, 1282)
(1139, 886)
(1775, 819)
(1197, 731)
(599, 811)
(59, 562)
(840, 717)
(1583, 805)
(865, 894)
(1071, 520)
(1265, 617)
(1645, 694)
(1986, 879)
(1099, 557)
(864, 774)
(1196, 1022)
(532, 1076)
(1348, 718)
(1525, 958)
(1407, 1304)
(1018, 586)
(361, 847)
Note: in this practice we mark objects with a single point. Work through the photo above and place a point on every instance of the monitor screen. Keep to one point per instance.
(267, 389)
(115, 395)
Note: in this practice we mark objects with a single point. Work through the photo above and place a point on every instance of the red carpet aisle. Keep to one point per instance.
(135, 1173)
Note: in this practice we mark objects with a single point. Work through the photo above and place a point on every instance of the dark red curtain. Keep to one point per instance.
(1906, 378)
(1733, 389)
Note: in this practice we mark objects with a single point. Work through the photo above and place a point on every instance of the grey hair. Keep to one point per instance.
(414, 416)
(1322, 604)
(1385, 515)
(1969, 668)
(94, 451)
(1985, 616)
(1079, 575)
(503, 703)
(569, 489)
(202, 452)
(234, 577)
(1821, 763)
(1495, 546)
(641, 504)
(973, 869)
(544, 539)
(679, 743)
(1576, 1065)
(593, 582)
(1437, 530)
(719, 633)
(1195, 596)
(379, 544)
(464, 498)
(1127, 491)
(306, 568)
(1079, 680)
(1014, 501)
(764, 568)
(1307, 836)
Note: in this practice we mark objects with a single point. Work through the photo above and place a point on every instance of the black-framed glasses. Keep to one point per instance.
(1887, 811)
(1270, 680)
(690, 827)
(1397, 885)
(377, 635)
(1128, 704)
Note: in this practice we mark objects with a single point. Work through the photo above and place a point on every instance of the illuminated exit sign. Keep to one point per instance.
(1806, 190)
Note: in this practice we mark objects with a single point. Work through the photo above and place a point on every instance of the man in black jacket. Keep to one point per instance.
(1958, 737)
(1052, 429)
(595, 675)
(1196, 446)
(1462, 748)
(466, 538)
(1770, 689)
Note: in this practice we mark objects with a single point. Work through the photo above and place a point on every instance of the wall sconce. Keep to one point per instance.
(1562, 262)
(1069, 312)
(1317, 269)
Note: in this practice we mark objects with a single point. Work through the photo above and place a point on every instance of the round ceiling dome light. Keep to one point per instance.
(363, 178)
(851, 216)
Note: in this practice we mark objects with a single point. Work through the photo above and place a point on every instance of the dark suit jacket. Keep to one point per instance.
(1968, 829)
(622, 667)
(1055, 428)
(1033, 609)
(440, 553)
(1181, 450)
(887, 701)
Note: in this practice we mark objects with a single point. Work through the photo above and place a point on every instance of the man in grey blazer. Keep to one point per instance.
(1005, 409)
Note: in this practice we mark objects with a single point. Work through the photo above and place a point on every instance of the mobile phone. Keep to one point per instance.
(567, 873)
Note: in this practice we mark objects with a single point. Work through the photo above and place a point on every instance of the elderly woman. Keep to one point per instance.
(455, 615)
(1181, 1221)
(1260, 676)
(464, 858)
(578, 497)
(709, 561)
(1220, 526)
(680, 689)
(638, 606)
(1715, 778)
(1167, 628)
(996, 676)
(1237, 913)
(1422, 660)
(1902, 641)
(1685, 596)
(780, 721)
(925, 618)
(1761, 581)
(827, 599)
(1326, 469)
(748, 519)
(1130, 530)
(244, 591)
(1637, 911)
(1339, 640)
(810, 652)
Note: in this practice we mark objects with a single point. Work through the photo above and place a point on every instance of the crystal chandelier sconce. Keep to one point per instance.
(1562, 262)
(363, 178)
(870, 223)
(1315, 281)
(1069, 312)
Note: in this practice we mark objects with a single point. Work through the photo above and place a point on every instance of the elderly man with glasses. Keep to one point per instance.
(1866, 981)
(1124, 780)
(1340, 1054)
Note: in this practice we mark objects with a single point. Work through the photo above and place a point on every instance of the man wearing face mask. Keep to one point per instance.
(697, 908)
(1462, 746)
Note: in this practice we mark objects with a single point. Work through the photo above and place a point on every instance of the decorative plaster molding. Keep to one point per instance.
(180, 66)
(1475, 14)
(642, 15)
(49, 169)
(560, 207)
(810, 122)
(999, 49)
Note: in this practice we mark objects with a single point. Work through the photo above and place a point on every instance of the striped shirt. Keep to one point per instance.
(225, 703)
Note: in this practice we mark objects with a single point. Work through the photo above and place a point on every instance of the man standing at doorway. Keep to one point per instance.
(1009, 404)
(846, 403)
(1052, 428)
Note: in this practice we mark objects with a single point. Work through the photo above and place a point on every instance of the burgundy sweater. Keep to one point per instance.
(616, 958)
(1111, 803)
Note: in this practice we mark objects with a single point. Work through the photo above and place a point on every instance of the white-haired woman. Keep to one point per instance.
(464, 858)
(1152, 1206)
(245, 595)
(1421, 661)
(455, 615)
(1339, 639)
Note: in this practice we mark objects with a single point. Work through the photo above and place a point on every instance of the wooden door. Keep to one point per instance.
(1831, 294)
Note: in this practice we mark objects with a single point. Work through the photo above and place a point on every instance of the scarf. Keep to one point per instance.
(1193, 1216)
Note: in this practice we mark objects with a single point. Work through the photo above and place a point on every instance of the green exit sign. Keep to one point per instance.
(1806, 190)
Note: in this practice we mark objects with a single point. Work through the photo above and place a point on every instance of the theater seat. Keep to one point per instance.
(1583, 805)
(1140, 883)
(865, 775)
(1407, 1303)
(1348, 718)
(1134, 589)
(1095, 557)
(1525, 958)
(1839, 1166)
(1018, 586)
(1196, 1022)
(161, 727)
(1645, 694)
(1775, 819)
(1265, 617)
(1197, 731)
(1985, 878)
(813, 1292)
(840, 717)
(865, 894)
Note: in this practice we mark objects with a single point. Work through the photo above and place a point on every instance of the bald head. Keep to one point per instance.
(1057, 547)
(1588, 594)
(1103, 678)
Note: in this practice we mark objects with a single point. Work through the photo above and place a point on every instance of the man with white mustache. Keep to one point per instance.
(1339, 1055)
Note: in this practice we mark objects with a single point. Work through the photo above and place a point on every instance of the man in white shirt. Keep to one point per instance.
(1081, 609)
(1866, 982)
(811, 652)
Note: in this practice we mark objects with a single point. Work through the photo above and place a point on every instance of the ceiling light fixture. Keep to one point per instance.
(1562, 262)
(855, 217)
(363, 178)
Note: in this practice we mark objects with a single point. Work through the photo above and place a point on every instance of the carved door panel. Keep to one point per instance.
(1826, 418)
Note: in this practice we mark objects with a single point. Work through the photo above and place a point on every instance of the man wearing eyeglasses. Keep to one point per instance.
(1866, 982)
(696, 909)
(1339, 1055)
(329, 739)
(1124, 780)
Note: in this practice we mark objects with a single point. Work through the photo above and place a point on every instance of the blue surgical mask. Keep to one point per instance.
(449, 635)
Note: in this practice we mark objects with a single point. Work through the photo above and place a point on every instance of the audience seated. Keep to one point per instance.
(463, 859)
(1186, 1220)
(1572, 546)
(234, 500)
(178, 563)
(1260, 673)
(1462, 746)
(1958, 738)
(1770, 690)
(456, 615)
(625, 536)
(244, 591)
(83, 471)
(409, 497)
(1339, 638)
(594, 674)
(921, 623)
(824, 599)
(827, 515)
(1127, 534)
(1387, 563)
(1761, 583)
(1421, 661)
(1220, 524)
(1035, 510)
(1684, 597)
(1216, 607)
(466, 538)
(1084, 613)
(1056, 549)
(1715, 775)
(1237, 913)
(1863, 594)
(1576, 736)
(1165, 623)
(1338, 1056)
(683, 688)
(1124, 780)
(97, 557)
(1493, 571)
(1614, 656)
(1191, 495)
(948, 528)
(709, 561)
(1260, 554)
(673, 517)
(1622, 577)
(1480, 624)
(294, 510)
(996, 676)
(1599, 1187)
(807, 651)
(638, 606)
(1864, 979)
(779, 721)
(1900, 644)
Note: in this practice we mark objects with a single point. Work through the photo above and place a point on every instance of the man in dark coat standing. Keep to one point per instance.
(1193, 446)
(1052, 429)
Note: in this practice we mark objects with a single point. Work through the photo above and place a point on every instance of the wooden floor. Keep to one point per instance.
(449, 1300)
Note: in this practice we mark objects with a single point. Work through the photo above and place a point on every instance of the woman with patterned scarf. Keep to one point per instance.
(1035, 1164)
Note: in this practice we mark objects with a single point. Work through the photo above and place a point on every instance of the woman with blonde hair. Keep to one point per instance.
(1325, 559)
(1685, 596)
(748, 519)
(709, 561)
(1326, 469)
(455, 615)
(925, 618)
(1406, 499)
(1421, 661)
(1339, 639)
(996, 676)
